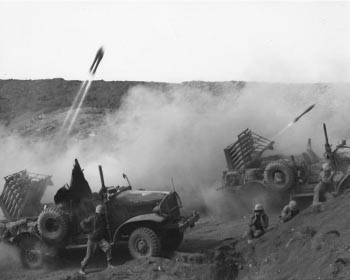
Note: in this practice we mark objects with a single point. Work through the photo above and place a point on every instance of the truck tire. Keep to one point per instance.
(144, 243)
(287, 175)
(53, 225)
(32, 252)
(172, 240)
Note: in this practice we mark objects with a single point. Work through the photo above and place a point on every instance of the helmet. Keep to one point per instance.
(292, 204)
(99, 209)
(258, 207)
(326, 166)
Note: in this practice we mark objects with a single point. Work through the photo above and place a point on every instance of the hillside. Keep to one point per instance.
(37, 107)
(156, 132)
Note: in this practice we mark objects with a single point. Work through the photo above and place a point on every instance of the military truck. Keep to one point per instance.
(22, 193)
(249, 173)
(20, 205)
(149, 221)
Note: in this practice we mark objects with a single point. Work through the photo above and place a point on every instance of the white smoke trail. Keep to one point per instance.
(282, 131)
(83, 95)
(76, 99)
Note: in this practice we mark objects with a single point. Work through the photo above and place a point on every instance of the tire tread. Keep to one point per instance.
(154, 239)
(286, 168)
(64, 224)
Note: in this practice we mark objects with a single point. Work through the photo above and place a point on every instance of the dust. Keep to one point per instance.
(180, 133)
(9, 257)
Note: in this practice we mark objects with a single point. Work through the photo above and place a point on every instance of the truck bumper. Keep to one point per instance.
(188, 221)
(184, 222)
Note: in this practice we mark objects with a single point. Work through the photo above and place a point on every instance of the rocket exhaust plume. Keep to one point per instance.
(282, 131)
(80, 96)
(76, 99)
(84, 93)
(294, 121)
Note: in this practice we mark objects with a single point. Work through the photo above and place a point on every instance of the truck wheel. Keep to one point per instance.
(53, 224)
(279, 175)
(144, 243)
(172, 240)
(32, 252)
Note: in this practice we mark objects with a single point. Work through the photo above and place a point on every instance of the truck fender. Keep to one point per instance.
(345, 182)
(18, 238)
(151, 217)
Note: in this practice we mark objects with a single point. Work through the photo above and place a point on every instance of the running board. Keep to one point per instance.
(307, 194)
(80, 246)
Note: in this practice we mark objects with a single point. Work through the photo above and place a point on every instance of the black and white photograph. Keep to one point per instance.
(170, 140)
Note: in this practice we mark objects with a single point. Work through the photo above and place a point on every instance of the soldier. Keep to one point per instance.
(323, 187)
(259, 222)
(97, 226)
(289, 211)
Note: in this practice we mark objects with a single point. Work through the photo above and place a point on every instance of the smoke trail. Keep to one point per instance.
(77, 97)
(85, 91)
(283, 130)
(84, 88)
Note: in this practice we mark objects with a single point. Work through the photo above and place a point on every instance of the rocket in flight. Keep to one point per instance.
(97, 60)
(302, 114)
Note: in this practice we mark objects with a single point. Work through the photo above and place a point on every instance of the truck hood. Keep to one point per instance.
(141, 196)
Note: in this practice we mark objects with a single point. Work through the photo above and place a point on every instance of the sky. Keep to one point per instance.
(175, 41)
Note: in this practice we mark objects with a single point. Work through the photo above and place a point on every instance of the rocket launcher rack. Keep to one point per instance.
(248, 148)
(22, 193)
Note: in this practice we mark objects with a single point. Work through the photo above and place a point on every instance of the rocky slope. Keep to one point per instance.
(37, 107)
(188, 144)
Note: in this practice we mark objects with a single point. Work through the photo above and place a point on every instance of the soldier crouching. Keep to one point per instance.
(323, 188)
(259, 222)
(289, 212)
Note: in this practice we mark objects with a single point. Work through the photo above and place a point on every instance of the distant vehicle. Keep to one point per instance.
(150, 221)
(285, 177)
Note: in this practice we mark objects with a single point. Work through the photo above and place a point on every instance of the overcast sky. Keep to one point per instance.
(177, 41)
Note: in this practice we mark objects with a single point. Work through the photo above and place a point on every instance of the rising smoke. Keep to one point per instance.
(181, 134)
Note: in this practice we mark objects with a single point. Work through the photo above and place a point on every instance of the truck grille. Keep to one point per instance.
(171, 205)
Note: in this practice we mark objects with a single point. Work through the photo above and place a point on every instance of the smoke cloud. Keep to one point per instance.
(181, 134)
(9, 257)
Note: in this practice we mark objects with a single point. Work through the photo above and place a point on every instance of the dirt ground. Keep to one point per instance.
(191, 259)
(207, 234)
(314, 245)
